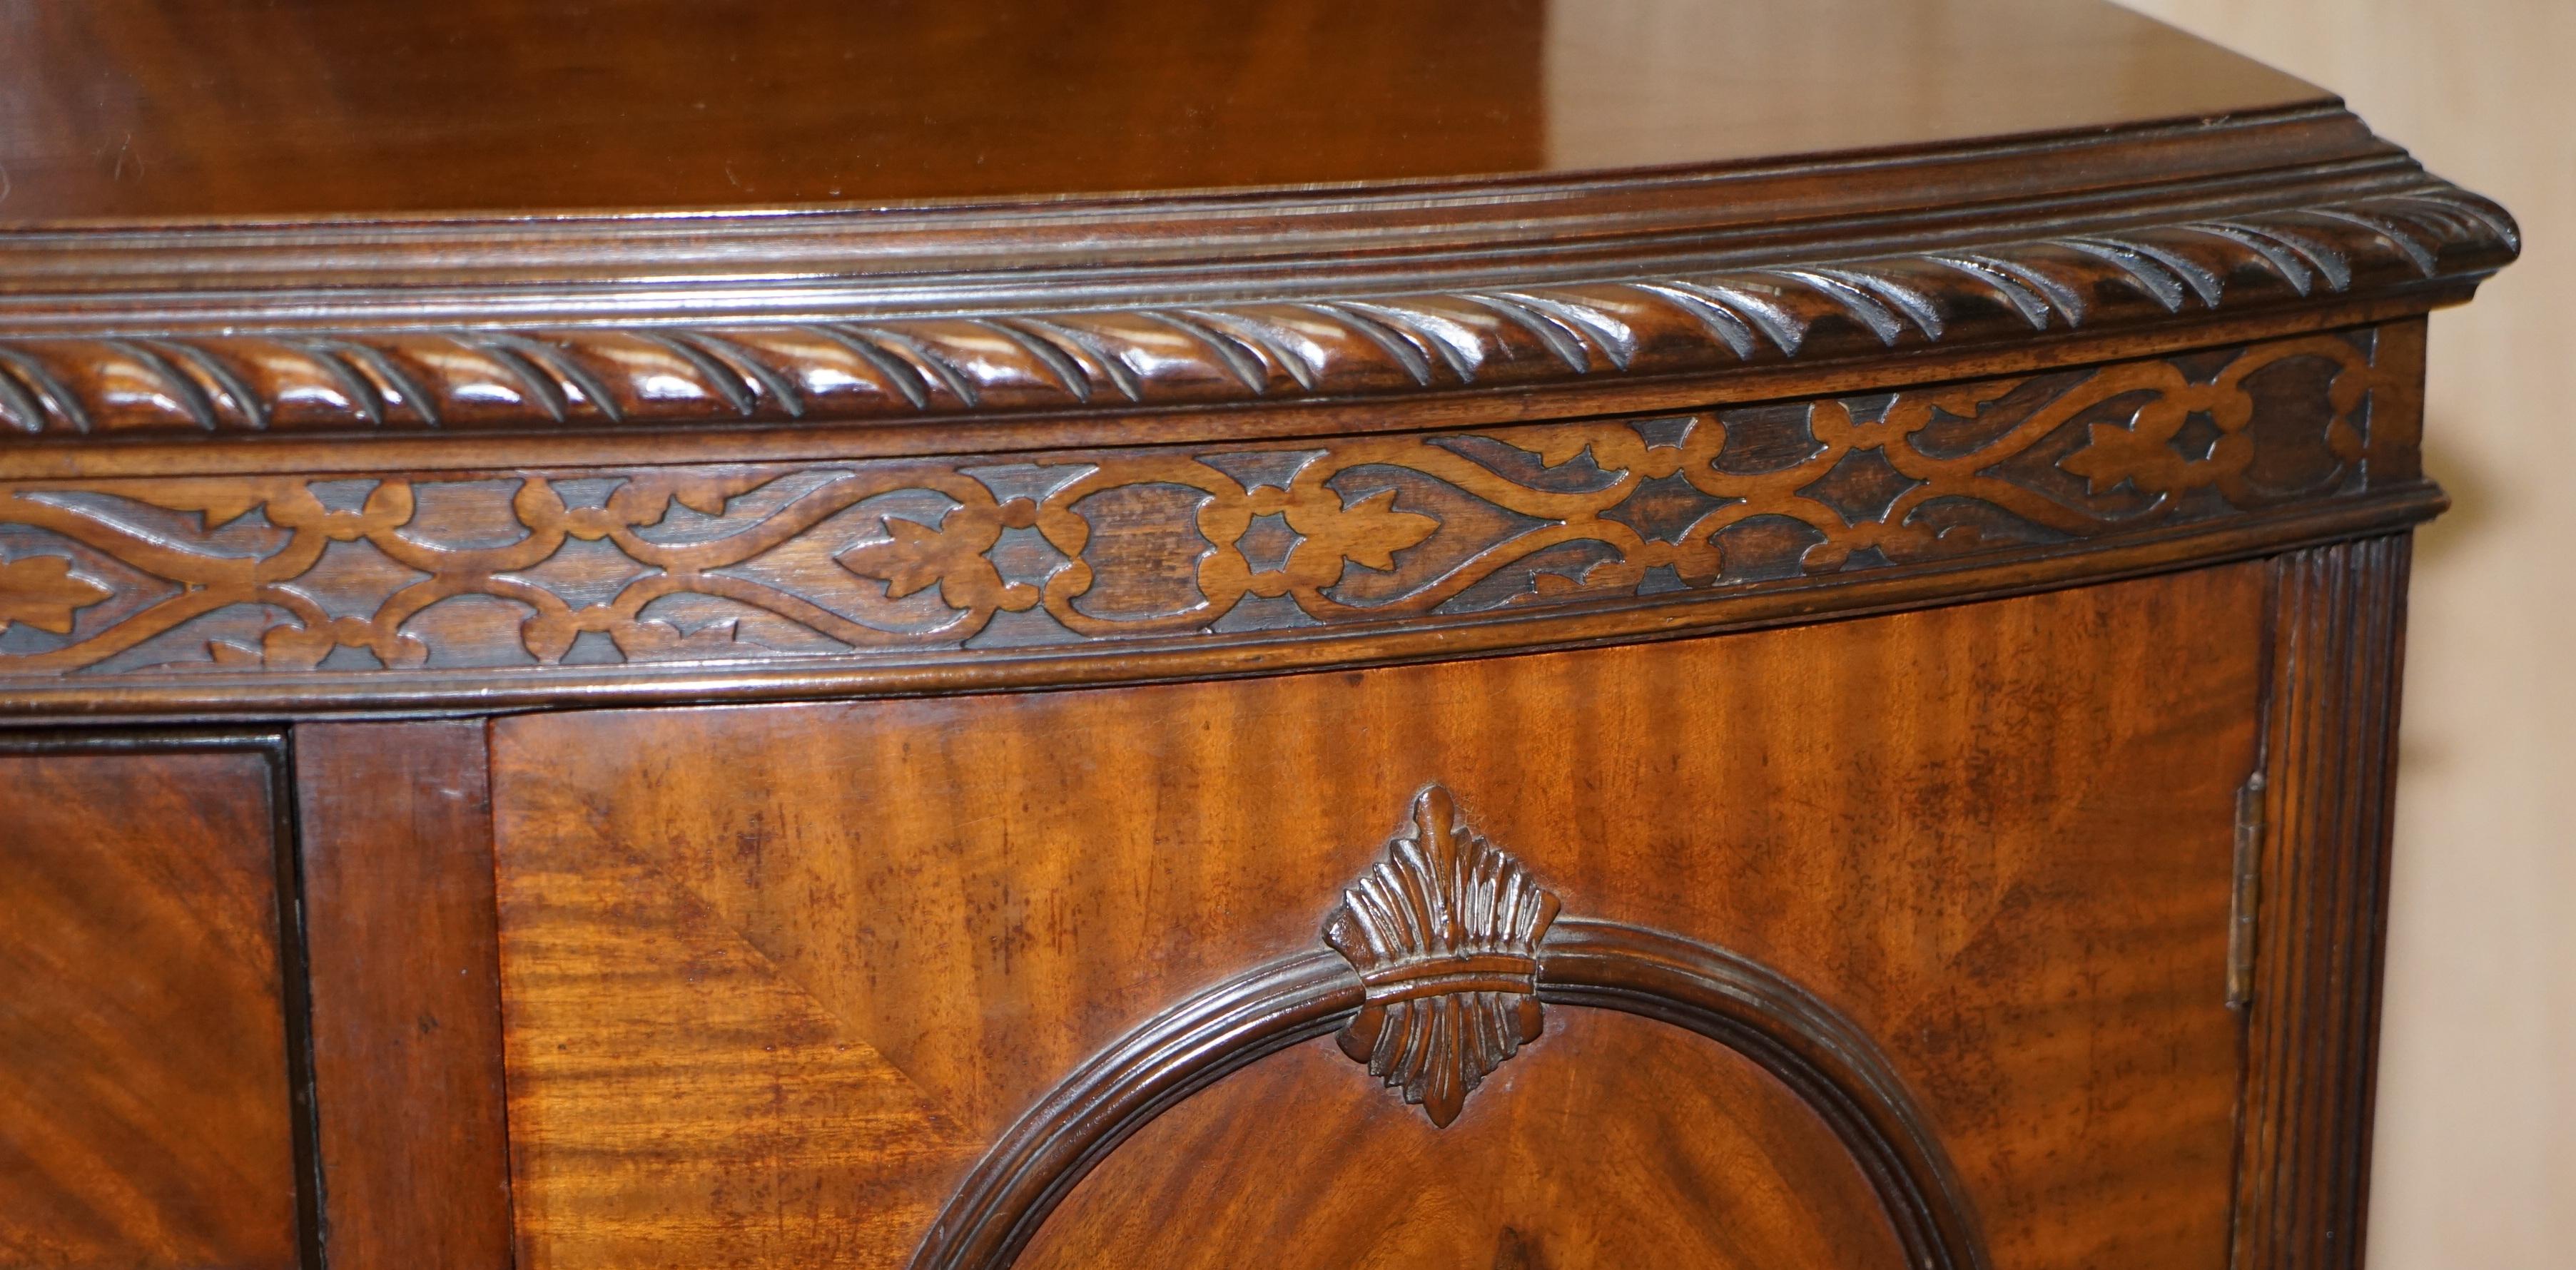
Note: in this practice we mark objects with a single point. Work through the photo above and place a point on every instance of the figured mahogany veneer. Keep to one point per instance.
(1296, 634)
(785, 903)
(1696, 1157)
(149, 1115)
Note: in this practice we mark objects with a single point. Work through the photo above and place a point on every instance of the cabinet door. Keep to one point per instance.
(145, 1114)
(1883, 942)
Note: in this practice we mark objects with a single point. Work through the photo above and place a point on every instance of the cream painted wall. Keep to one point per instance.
(2477, 1087)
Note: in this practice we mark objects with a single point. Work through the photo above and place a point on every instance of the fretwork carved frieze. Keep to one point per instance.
(836, 562)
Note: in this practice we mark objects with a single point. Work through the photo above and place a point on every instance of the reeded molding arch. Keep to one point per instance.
(1468, 903)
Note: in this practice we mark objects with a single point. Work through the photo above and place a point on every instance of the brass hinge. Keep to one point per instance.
(2240, 911)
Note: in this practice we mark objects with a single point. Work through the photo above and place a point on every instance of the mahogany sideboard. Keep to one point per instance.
(1293, 634)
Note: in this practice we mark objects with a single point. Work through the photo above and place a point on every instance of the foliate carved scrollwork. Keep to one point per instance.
(1445, 933)
(1358, 345)
(728, 564)
(42, 592)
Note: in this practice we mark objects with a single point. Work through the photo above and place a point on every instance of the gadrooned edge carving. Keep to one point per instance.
(1444, 932)
(1821, 1055)
(1323, 346)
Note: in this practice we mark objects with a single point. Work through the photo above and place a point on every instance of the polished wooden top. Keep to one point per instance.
(126, 109)
(229, 219)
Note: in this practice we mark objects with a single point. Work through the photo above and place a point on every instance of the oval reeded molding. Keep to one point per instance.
(1799, 308)
(1439, 974)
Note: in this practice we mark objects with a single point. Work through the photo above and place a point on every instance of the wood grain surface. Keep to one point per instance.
(2331, 739)
(1613, 1141)
(397, 841)
(144, 1113)
(776, 975)
(665, 103)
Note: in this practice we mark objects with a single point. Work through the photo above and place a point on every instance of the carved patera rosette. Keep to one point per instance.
(1445, 933)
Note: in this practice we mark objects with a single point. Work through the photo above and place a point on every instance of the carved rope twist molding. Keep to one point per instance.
(1236, 352)
(737, 564)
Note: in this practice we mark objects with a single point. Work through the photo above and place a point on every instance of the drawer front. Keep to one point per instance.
(145, 1116)
(836, 983)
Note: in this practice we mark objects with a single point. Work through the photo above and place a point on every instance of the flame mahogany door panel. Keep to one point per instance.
(147, 1113)
(1900, 940)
